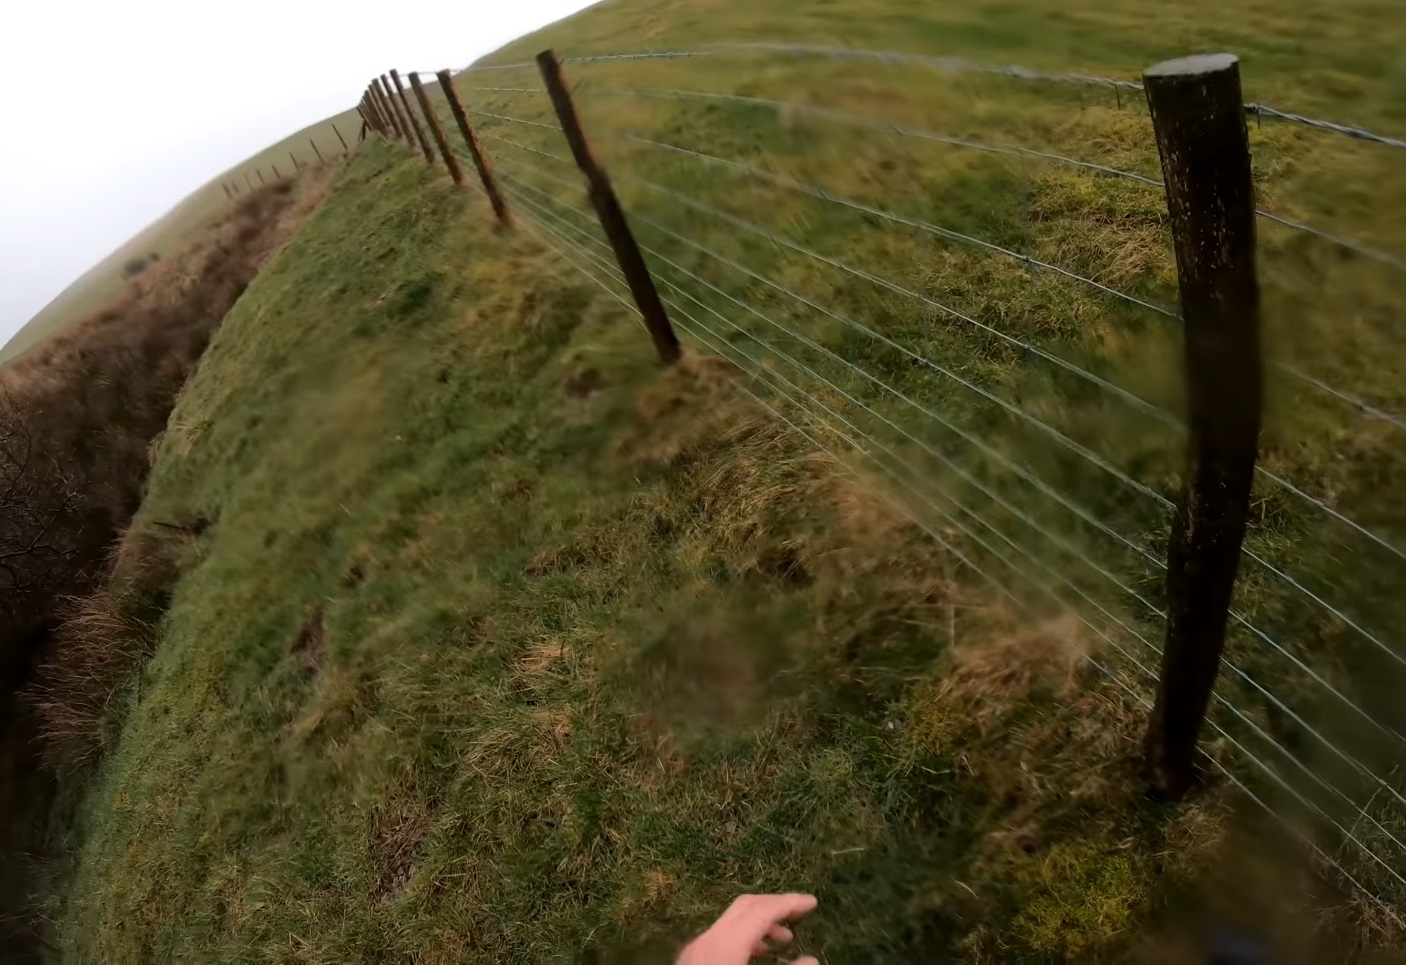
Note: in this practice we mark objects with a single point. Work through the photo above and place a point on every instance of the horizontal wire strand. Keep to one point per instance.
(844, 117)
(1017, 151)
(1361, 134)
(951, 65)
(514, 120)
(1231, 707)
(942, 232)
(1088, 455)
(523, 147)
(1038, 484)
(925, 226)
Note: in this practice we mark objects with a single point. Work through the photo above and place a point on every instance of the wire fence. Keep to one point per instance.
(268, 172)
(990, 330)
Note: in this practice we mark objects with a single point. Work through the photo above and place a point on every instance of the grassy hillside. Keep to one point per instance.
(104, 281)
(503, 644)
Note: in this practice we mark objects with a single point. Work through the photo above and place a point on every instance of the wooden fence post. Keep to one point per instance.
(368, 114)
(381, 87)
(432, 119)
(608, 210)
(345, 149)
(316, 151)
(414, 121)
(466, 129)
(260, 173)
(386, 105)
(296, 166)
(1198, 116)
(275, 170)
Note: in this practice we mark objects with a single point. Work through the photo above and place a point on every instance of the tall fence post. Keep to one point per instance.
(260, 173)
(432, 119)
(368, 116)
(1198, 116)
(275, 170)
(608, 210)
(414, 121)
(384, 102)
(382, 89)
(470, 136)
(345, 149)
(315, 151)
(296, 166)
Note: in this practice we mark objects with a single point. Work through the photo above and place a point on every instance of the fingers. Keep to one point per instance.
(778, 935)
(805, 961)
(757, 914)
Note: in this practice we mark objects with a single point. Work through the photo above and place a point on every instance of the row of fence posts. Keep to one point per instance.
(1198, 118)
(232, 187)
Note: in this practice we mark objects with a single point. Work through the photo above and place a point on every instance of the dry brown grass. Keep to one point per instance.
(100, 639)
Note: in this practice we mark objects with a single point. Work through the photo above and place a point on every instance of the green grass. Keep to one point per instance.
(506, 645)
(167, 235)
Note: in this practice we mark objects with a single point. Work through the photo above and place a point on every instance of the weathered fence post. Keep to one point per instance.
(275, 170)
(296, 166)
(608, 210)
(470, 136)
(371, 115)
(260, 173)
(1198, 115)
(393, 121)
(345, 148)
(383, 87)
(414, 121)
(316, 151)
(368, 116)
(432, 119)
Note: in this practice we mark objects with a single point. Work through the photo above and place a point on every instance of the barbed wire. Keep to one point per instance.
(951, 65)
(1018, 470)
(1165, 504)
(844, 117)
(1359, 248)
(642, 55)
(509, 90)
(1361, 134)
(1359, 404)
(481, 68)
(1279, 747)
(925, 226)
(514, 120)
(859, 447)
(940, 231)
(1018, 151)
(517, 144)
(1367, 251)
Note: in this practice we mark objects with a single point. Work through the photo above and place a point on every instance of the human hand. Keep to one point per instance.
(743, 930)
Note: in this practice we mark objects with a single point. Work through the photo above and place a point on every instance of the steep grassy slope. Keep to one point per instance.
(763, 214)
(503, 645)
(104, 281)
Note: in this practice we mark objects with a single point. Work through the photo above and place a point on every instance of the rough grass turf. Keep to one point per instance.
(503, 645)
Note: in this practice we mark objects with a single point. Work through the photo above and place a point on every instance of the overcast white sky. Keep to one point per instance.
(119, 109)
